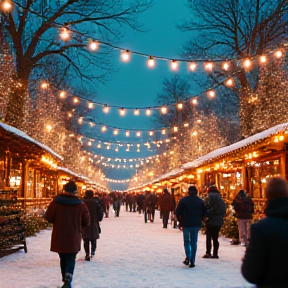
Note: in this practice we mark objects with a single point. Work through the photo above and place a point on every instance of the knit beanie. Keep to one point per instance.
(70, 187)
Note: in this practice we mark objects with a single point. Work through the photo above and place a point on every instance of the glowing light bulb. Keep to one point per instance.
(90, 105)
(89, 143)
(208, 66)
(70, 115)
(136, 112)
(106, 109)
(122, 112)
(150, 133)
(80, 120)
(192, 66)
(180, 106)
(93, 45)
(148, 112)
(194, 133)
(115, 132)
(164, 110)
(278, 54)
(174, 65)
(104, 128)
(6, 6)
(127, 133)
(194, 101)
(225, 66)
(125, 55)
(247, 64)
(49, 128)
(65, 34)
(151, 62)
(76, 100)
(138, 134)
(229, 82)
(175, 129)
(163, 131)
(211, 94)
(44, 85)
(263, 59)
(186, 124)
(62, 94)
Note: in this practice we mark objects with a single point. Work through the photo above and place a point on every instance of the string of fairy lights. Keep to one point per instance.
(93, 45)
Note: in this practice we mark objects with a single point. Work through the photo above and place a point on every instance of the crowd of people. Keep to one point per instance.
(264, 263)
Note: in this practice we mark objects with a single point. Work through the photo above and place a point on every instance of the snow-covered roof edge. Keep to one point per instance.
(23, 135)
(235, 146)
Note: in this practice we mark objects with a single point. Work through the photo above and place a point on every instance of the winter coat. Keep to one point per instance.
(243, 206)
(68, 215)
(190, 211)
(266, 259)
(167, 202)
(216, 209)
(96, 213)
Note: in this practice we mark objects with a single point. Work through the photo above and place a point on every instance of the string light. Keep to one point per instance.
(208, 66)
(136, 112)
(104, 129)
(125, 55)
(151, 62)
(64, 34)
(93, 45)
(247, 64)
(127, 133)
(180, 106)
(106, 109)
(148, 112)
(44, 85)
(194, 101)
(263, 59)
(151, 133)
(90, 105)
(76, 100)
(211, 94)
(6, 6)
(62, 94)
(192, 66)
(225, 66)
(138, 134)
(229, 82)
(115, 132)
(174, 65)
(278, 54)
(164, 110)
(122, 112)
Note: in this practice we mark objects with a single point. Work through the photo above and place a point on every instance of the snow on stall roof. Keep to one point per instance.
(169, 174)
(64, 169)
(227, 149)
(23, 135)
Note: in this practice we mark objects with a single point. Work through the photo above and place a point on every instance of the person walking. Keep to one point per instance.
(190, 212)
(68, 214)
(91, 233)
(216, 210)
(244, 209)
(166, 205)
(265, 262)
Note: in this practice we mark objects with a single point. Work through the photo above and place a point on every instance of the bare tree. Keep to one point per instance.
(236, 29)
(33, 28)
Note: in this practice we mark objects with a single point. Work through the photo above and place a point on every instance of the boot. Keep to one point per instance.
(68, 280)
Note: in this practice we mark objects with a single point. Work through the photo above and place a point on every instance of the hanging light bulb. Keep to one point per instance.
(125, 55)
(163, 131)
(192, 66)
(64, 34)
(76, 100)
(247, 64)
(263, 59)
(70, 115)
(127, 133)
(89, 143)
(175, 129)
(186, 124)
(62, 94)
(80, 120)
(180, 106)
(6, 6)
(208, 66)
(106, 109)
(148, 112)
(211, 94)
(174, 65)
(93, 45)
(122, 111)
(90, 105)
(151, 62)
(136, 112)
(138, 134)
(229, 82)
(115, 132)
(104, 128)
(194, 101)
(44, 85)
(99, 145)
(278, 53)
(150, 133)
(225, 66)
(164, 110)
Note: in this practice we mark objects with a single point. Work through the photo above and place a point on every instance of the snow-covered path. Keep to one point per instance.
(130, 254)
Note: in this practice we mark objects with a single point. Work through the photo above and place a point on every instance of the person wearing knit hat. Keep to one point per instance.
(69, 215)
(190, 212)
(216, 210)
(265, 262)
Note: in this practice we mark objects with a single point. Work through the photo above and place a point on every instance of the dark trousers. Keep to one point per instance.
(67, 263)
(165, 218)
(212, 234)
(87, 246)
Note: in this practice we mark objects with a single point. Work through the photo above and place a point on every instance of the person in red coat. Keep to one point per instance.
(167, 204)
(68, 214)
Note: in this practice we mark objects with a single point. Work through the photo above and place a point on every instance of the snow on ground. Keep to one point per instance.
(130, 254)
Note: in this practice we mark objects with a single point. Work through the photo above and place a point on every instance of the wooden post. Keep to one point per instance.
(7, 167)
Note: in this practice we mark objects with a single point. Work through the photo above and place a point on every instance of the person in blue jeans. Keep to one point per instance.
(190, 212)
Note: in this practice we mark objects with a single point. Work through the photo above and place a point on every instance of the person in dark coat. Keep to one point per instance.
(117, 204)
(244, 209)
(91, 233)
(216, 210)
(69, 215)
(166, 205)
(265, 262)
(190, 212)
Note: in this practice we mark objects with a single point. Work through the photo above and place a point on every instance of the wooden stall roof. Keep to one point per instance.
(22, 145)
(236, 147)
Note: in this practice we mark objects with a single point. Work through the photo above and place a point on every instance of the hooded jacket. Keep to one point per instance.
(68, 215)
(266, 259)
